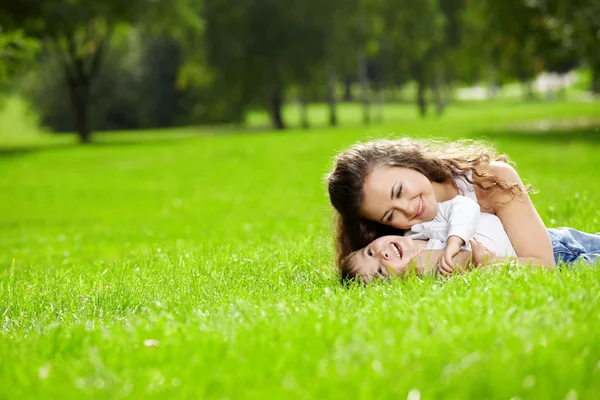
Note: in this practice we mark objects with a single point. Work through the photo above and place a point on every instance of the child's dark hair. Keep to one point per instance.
(348, 268)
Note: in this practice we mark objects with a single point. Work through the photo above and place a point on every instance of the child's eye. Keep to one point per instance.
(369, 253)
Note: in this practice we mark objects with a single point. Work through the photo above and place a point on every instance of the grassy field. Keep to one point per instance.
(149, 267)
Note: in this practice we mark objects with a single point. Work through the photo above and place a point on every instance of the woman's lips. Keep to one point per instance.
(421, 209)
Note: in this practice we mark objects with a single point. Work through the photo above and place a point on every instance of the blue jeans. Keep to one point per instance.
(571, 246)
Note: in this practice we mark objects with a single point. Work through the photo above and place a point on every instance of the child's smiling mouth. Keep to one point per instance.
(397, 249)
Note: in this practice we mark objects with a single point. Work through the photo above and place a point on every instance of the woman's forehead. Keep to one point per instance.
(387, 173)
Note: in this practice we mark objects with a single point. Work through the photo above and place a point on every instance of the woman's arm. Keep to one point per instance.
(426, 262)
(519, 217)
(482, 256)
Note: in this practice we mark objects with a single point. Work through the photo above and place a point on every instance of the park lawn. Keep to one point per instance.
(202, 267)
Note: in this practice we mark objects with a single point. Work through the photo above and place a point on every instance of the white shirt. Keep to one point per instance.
(462, 217)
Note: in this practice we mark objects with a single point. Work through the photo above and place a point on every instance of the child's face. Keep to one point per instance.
(385, 256)
(399, 197)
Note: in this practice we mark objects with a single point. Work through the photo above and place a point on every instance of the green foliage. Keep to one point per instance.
(138, 87)
(77, 35)
(581, 19)
(113, 99)
(16, 51)
(215, 60)
(202, 268)
(522, 38)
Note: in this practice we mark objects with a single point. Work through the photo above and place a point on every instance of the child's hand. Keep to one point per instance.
(446, 265)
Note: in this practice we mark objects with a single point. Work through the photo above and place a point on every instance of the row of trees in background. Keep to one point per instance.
(110, 64)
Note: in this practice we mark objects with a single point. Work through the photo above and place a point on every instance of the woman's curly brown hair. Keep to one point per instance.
(439, 161)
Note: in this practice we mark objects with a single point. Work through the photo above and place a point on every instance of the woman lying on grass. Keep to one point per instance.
(388, 186)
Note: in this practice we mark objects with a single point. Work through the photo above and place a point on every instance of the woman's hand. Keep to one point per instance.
(481, 255)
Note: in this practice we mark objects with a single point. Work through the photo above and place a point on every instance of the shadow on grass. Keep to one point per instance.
(537, 132)
(28, 149)
(125, 139)
(556, 136)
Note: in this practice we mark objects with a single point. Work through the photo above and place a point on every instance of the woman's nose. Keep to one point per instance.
(403, 205)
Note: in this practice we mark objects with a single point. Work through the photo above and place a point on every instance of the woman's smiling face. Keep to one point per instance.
(399, 197)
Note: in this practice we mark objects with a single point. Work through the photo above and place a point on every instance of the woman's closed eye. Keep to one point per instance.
(390, 216)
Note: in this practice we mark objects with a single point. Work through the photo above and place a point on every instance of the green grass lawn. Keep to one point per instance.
(202, 267)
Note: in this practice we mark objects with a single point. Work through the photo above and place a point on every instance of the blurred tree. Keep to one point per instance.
(579, 21)
(341, 52)
(369, 36)
(114, 97)
(472, 59)
(516, 32)
(78, 33)
(194, 61)
(448, 61)
(260, 48)
(310, 61)
(159, 68)
(416, 33)
(145, 82)
(16, 51)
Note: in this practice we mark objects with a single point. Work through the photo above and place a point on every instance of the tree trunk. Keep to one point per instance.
(379, 99)
(331, 98)
(421, 102)
(419, 75)
(437, 98)
(595, 84)
(393, 92)
(364, 87)
(527, 88)
(276, 103)
(438, 83)
(562, 91)
(81, 117)
(79, 74)
(448, 93)
(492, 91)
(348, 89)
(303, 107)
(79, 92)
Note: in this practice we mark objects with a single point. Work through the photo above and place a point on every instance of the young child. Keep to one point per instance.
(397, 255)
(458, 223)
(454, 226)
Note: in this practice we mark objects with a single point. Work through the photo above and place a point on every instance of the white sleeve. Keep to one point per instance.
(418, 232)
(463, 218)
